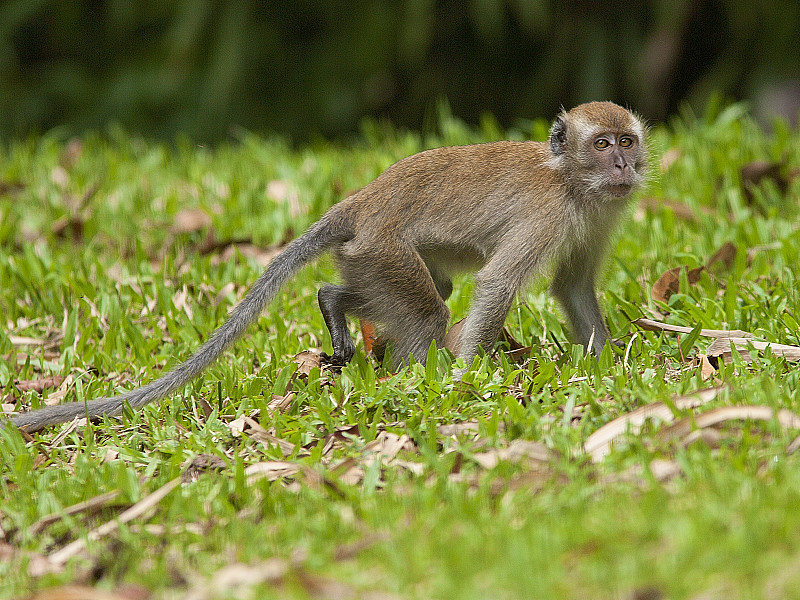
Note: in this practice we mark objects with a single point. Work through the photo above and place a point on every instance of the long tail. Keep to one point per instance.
(300, 251)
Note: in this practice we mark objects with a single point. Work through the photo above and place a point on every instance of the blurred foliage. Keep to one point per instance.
(308, 67)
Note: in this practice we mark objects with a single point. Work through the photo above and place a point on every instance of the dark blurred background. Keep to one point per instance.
(317, 67)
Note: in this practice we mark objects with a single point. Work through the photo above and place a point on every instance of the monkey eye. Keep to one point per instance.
(601, 143)
(625, 142)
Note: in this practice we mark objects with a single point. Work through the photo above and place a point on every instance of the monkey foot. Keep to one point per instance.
(334, 360)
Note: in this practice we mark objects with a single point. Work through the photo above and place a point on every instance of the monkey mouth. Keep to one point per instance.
(619, 189)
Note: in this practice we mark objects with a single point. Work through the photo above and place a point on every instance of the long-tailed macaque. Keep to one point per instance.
(507, 210)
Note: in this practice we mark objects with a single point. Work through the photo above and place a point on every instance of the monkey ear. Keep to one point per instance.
(558, 136)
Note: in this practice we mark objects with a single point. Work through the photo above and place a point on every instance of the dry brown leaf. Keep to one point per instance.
(467, 427)
(71, 153)
(452, 339)
(80, 592)
(224, 292)
(250, 427)
(286, 192)
(669, 282)
(682, 428)
(38, 565)
(39, 385)
(326, 588)
(353, 549)
(348, 472)
(271, 470)
(202, 463)
(305, 361)
(17, 340)
(190, 220)
(722, 348)
(235, 581)
(89, 506)
(758, 171)
(679, 209)
(280, 403)
(725, 255)
(664, 469)
(60, 557)
(598, 444)
(652, 325)
(516, 351)
(707, 370)
(387, 445)
(10, 187)
(261, 256)
(794, 446)
(647, 592)
(517, 451)
(669, 158)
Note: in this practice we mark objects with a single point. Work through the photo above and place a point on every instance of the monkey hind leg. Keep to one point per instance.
(403, 300)
(334, 302)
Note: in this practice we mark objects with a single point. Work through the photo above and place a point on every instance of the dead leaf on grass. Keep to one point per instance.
(725, 256)
(251, 428)
(39, 385)
(17, 340)
(348, 472)
(60, 557)
(653, 325)
(453, 429)
(794, 446)
(90, 506)
(722, 348)
(669, 282)
(202, 463)
(387, 445)
(517, 451)
(271, 470)
(38, 565)
(286, 192)
(236, 580)
(11, 187)
(81, 592)
(598, 445)
(707, 370)
(452, 341)
(684, 427)
(190, 220)
(516, 351)
(758, 171)
(679, 209)
(306, 361)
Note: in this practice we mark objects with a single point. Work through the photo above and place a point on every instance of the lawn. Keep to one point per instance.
(667, 468)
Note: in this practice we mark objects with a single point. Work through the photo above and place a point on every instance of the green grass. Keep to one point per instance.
(92, 268)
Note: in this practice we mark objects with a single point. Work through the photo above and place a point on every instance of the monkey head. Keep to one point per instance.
(604, 144)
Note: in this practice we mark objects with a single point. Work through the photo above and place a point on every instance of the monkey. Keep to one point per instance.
(505, 210)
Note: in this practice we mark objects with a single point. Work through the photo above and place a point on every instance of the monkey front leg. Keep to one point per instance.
(573, 285)
(493, 298)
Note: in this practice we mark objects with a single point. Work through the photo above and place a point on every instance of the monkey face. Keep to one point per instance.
(615, 154)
